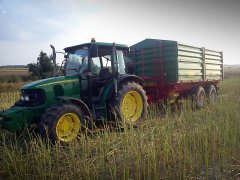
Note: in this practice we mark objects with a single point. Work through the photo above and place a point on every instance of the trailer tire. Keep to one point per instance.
(131, 104)
(61, 122)
(211, 93)
(199, 97)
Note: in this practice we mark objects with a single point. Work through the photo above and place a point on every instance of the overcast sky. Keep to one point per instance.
(29, 26)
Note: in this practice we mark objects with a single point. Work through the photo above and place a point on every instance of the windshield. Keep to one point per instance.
(104, 61)
(77, 62)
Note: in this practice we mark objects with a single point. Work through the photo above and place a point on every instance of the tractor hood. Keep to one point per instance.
(37, 97)
(61, 80)
(48, 90)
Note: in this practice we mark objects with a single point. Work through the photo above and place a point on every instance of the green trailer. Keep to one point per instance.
(172, 70)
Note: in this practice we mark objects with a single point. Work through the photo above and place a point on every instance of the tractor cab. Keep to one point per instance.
(99, 67)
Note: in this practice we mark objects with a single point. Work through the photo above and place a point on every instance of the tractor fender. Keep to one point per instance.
(78, 102)
(109, 89)
(130, 77)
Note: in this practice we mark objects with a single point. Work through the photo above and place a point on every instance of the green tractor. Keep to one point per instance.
(95, 87)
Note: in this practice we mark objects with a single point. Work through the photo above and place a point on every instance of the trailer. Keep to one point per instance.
(172, 70)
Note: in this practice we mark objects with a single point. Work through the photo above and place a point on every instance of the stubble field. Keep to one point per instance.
(187, 144)
(11, 72)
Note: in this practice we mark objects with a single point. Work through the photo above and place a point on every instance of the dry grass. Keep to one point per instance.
(11, 87)
(11, 79)
(186, 144)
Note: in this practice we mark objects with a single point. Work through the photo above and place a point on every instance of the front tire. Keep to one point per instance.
(61, 122)
(131, 103)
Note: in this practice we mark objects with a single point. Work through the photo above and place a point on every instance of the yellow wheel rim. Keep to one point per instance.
(68, 127)
(132, 106)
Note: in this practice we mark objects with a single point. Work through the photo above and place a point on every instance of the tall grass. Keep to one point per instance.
(7, 99)
(6, 87)
(185, 144)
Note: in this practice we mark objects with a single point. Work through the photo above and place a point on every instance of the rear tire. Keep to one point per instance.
(131, 103)
(199, 97)
(61, 122)
(211, 93)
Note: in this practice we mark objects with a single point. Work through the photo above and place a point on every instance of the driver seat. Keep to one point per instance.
(105, 74)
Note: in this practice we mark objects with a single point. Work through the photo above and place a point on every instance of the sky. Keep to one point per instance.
(29, 26)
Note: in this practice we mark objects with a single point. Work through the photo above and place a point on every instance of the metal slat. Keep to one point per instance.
(213, 57)
(212, 52)
(187, 65)
(189, 59)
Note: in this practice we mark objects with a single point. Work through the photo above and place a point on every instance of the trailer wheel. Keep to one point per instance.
(131, 103)
(61, 122)
(211, 93)
(199, 97)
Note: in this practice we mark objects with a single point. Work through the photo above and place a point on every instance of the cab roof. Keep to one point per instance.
(99, 44)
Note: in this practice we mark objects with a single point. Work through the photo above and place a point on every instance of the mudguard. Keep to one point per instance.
(109, 87)
(78, 102)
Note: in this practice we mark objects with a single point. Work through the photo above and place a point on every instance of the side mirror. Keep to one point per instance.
(94, 50)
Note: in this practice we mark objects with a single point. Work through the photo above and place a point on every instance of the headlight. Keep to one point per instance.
(31, 97)
(25, 97)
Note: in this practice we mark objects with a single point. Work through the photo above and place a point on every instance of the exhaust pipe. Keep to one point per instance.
(54, 60)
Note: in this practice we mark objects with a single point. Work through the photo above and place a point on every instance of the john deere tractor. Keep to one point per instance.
(94, 88)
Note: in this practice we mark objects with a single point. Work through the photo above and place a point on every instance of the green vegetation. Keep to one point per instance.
(43, 68)
(18, 73)
(186, 144)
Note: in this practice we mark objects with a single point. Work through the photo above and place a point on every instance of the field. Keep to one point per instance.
(186, 144)
(232, 71)
(13, 72)
(11, 79)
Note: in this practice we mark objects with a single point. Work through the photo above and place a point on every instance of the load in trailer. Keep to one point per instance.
(172, 70)
(95, 87)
